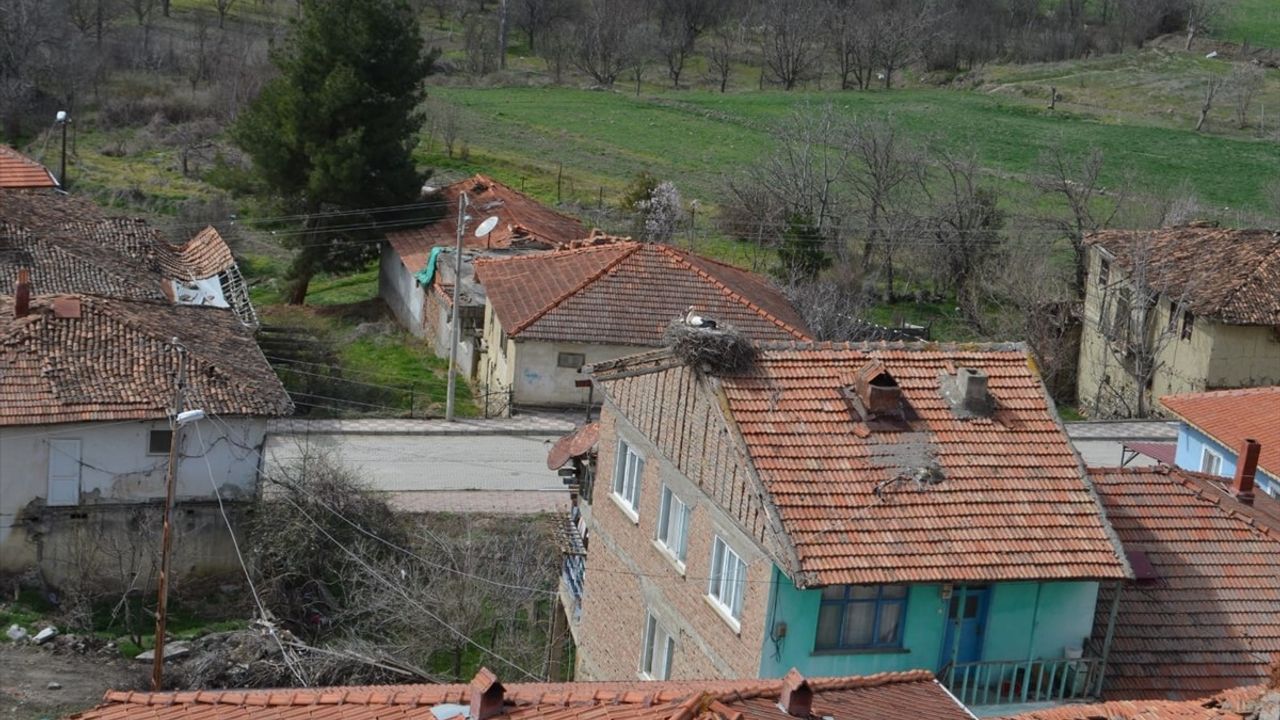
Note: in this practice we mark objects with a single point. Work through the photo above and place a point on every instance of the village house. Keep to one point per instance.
(888, 696)
(1202, 613)
(1174, 311)
(1215, 424)
(415, 272)
(844, 508)
(550, 314)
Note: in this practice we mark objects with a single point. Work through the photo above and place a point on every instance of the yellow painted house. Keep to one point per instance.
(1177, 310)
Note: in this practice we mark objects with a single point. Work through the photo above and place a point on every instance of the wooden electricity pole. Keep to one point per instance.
(166, 542)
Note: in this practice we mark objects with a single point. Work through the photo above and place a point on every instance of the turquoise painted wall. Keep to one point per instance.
(1065, 618)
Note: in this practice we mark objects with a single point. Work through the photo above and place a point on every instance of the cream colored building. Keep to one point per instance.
(549, 314)
(1174, 311)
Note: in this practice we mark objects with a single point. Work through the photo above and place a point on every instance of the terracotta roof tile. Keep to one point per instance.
(1211, 618)
(17, 171)
(1232, 276)
(1231, 416)
(1235, 704)
(1003, 497)
(627, 292)
(113, 362)
(521, 221)
(887, 696)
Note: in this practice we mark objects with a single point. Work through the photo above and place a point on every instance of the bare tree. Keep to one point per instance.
(607, 39)
(789, 43)
(901, 31)
(832, 311)
(222, 6)
(966, 224)
(1203, 15)
(853, 41)
(722, 50)
(1211, 86)
(680, 24)
(535, 17)
(1077, 179)
(1245, 83)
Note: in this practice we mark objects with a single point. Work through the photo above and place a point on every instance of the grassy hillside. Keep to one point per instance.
(1254, 21)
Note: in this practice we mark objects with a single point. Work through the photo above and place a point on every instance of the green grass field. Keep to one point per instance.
(1254, 21)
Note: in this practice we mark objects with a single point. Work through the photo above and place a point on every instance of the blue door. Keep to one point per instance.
(966, 624)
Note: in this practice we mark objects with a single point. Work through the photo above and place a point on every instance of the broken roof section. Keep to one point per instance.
(626, 293)
(1231, 276)
(1209, 619)
(73, 358)
(896, 463)
(1236, 704)
(522, 222)
(19, 172)
(886, 696)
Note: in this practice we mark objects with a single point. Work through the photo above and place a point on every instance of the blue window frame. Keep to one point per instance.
(861, 617)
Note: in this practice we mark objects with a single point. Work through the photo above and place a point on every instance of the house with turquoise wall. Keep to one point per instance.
(1214, 424)
(845, 509)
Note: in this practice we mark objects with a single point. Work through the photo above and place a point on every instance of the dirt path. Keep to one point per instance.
(26, 671)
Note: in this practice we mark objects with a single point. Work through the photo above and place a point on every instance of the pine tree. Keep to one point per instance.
(336, 129)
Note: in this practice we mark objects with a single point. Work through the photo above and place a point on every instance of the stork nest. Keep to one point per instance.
(717, 350)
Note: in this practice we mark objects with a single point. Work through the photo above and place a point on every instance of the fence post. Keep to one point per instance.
(559, 177)
(413, 387)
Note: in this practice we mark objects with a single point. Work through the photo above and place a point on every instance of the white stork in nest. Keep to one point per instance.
(698, 321)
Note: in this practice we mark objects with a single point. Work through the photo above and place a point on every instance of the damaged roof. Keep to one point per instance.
(1207, 617)
(627, 292)
(1231, 416)
(17, 171)
(922, 490)
(886, 696)
(1228, 275)
(521, 221)
(75, 358)
(1236, 704)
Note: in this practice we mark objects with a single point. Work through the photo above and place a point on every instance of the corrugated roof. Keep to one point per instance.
(887, 696)
(626, 293)
(17, 171)
(932, 497)
(521, 220)
(78, 357)
(1231, 416)
(1228, 275)
(1210, 620)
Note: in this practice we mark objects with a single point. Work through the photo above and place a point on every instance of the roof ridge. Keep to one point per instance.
(1246, 277)
(590, 279)
(679, 256)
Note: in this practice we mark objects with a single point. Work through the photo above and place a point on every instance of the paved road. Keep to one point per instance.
(455, 473)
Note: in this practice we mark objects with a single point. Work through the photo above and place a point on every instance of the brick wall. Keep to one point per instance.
(628, 574)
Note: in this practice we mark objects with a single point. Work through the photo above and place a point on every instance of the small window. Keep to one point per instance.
(1104, 273)
(659, 650)
(626, 476)
(1188, 323)
(861, 616)
(728, 578)
(1173, 316)
(573, 361)
(673, 525)
(1210, 462)
(158, 442)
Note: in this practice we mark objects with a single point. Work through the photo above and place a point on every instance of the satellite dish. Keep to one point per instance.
(487, 226)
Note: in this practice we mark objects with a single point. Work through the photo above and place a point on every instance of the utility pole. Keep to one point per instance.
(166, 542)
(63, 120)
(454, 334)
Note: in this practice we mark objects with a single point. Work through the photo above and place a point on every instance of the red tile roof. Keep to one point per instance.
(17, 171)
(521, 220)
(1000, 498)
(1237, 704)
(77, 358)
(626, 293)
(1211, 619)
(1231, 416)
(887, 696)
(575, 444)
(1232, 276)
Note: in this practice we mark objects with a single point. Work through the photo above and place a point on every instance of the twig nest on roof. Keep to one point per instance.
(712, 349)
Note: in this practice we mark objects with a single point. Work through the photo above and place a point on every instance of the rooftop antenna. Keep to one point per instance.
(485, 228)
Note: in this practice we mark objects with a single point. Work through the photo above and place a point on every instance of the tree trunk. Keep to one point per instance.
(297, 288)
(1191, 36)
(502, 35)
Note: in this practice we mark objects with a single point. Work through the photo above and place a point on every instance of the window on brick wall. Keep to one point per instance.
(728, 578)
(626, 476)
(659, 650)
(673, 525)
(860, 616)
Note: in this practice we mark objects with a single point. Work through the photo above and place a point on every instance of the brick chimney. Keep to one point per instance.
(878, 390)
(486, 695)
(797, 697)
(22, 294)
(1246, 468)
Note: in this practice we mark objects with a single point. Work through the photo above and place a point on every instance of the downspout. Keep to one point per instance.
(955, 627)
(1111, 630)
(1035, 618)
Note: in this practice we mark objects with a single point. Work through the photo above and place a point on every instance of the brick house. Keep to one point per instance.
(843, 509)
(1214, 424)
(549, 314)
(1177, 310)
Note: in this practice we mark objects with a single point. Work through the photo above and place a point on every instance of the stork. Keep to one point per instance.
(698, 321)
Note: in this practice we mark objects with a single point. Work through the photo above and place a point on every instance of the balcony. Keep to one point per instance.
(1014, 682)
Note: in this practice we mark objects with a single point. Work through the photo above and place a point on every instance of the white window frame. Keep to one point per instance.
(658, 652)
(728, 581)
(1205, 455)
(628, 471)
(672, 531)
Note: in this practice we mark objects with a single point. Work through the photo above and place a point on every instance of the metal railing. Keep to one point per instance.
(1023, 681)
(574, 571)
